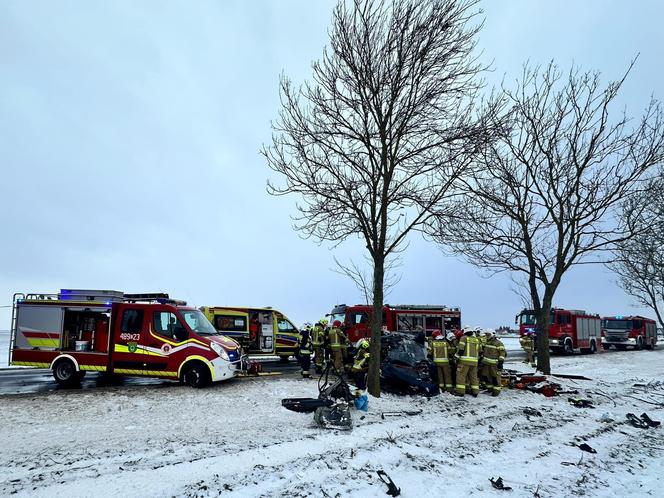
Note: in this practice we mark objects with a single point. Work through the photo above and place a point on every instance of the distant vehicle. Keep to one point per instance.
(260, 331)
(151, 335)
(621, 332)
(406, 318)
(570, 330)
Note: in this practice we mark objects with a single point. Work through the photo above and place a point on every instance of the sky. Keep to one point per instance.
(130, 136)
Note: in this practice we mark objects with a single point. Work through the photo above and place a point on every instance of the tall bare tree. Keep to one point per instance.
(549, 192)
(362, 277)
(639, 262)
(384, 129)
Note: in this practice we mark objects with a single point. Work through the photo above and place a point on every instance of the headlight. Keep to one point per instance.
(219, 350)
(554, 341)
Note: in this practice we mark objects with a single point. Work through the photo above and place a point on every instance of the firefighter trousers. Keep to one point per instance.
(530, 357)
(444, 377)
(319, 356)
(305, 364)
(338, 359)
(467, 371)
(494, 381)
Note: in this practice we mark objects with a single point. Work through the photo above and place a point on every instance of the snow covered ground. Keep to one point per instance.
(235, 439)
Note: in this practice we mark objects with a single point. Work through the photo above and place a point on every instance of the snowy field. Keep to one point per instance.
(235, 439)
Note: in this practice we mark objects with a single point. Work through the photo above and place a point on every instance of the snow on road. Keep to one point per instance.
(235, 439)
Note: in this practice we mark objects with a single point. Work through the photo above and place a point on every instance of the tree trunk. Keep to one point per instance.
(543, 322)
(373, 382)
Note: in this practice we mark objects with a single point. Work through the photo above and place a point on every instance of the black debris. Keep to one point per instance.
(588, 448)
(392, 489)
(498, 484)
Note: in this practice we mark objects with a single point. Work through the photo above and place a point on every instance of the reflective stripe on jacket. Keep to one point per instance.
(440, 351)
(526, 342)
(317, 336)
(337, 338)
(360, 361)
(494, 351)
(469, 350)
(303, 343)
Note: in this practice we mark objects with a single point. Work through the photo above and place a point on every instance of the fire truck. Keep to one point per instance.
(260, 331)
(409, 318)
(620, 332)
(77, 331)
(569, 330)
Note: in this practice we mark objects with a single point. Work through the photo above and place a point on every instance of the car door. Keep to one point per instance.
(167, 342)
(129, 334)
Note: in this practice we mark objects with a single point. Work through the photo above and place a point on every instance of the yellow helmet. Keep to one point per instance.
(364, 344)
(323, 321)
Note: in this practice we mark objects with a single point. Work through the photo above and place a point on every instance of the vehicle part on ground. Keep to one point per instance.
(400, 413)
(405, 368)
(392, 489)
(498, 484)
(587, 447)
(335, 416)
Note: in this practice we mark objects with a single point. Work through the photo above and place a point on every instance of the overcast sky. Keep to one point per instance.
(129, 139)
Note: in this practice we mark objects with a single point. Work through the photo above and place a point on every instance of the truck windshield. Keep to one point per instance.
(528, 319)
(337, 316)
(198, 323)
(619, 324)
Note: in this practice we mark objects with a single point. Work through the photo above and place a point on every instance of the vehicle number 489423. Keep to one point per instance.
(125, 336)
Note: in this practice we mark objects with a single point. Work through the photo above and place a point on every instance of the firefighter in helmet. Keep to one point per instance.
(337, 339)
(304, 350)
(318, 343)
(467, 356)
(361, 364)
(527, 342)
(440, 353)
(493, 357)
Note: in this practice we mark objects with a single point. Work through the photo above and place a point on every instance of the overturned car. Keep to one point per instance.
(405, 368)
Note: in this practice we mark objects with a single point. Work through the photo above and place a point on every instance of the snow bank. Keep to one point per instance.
(235, 439)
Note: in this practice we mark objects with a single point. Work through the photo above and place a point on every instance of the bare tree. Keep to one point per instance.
(362, 276)
(383, 131)
(549, 193)
(639, 262)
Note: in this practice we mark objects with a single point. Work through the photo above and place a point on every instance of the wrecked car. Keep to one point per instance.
(405, 368)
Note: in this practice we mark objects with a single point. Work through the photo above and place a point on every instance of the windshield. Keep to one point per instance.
(406, 351)
(619, 324)
(198, 323)
(337, 316)
(528, 319)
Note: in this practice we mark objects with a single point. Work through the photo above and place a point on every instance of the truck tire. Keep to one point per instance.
(593, 347)
(65, 374)
(639, 344)
(568, 347)
(196, 375)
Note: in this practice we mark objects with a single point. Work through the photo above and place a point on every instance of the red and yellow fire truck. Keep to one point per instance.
(570, 330)
(76, 331)
(260, 331)
(410, 318)
(620, 332)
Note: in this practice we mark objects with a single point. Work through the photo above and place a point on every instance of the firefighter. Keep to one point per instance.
(361, 364)
(304, 350)
(528, 344)
(493, 357)
(482, 370)
(337, 338)
(467, 356)
(454, 342)
(347, 359)
(318, 344)
(440, 353)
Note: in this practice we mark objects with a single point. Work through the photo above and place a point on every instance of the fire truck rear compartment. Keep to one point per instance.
(85, 330)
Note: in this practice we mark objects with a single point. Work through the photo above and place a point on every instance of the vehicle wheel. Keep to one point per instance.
(65, 374)
(639, 344)
(606, 347)
(284, 359)
(568, 347)
(593, 347)
(197, 375)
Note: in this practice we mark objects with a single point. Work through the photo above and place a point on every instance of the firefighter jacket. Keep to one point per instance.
(494, 351)
(361, 361)
(337, 338)
(304, 344)
(527, 343)
(440, 351)
(483, 340)
(468, 350)
(317, 336)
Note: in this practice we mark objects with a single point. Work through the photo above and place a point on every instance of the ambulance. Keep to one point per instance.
(260, 331)
(150, 335)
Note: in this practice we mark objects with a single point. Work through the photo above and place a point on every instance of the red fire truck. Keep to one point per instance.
(76, 331)
(410, 318)
(620, 332)
(570, 330)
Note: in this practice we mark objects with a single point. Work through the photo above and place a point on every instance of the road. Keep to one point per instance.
(40, 380)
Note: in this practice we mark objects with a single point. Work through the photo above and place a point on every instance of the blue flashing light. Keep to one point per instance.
(19, 300)
(619, 317)
(108, 303)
